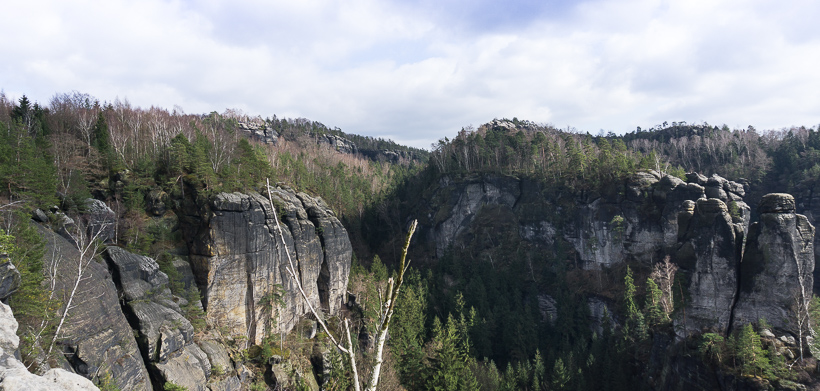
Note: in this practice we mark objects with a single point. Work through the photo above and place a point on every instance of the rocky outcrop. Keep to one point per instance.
(638, 223)
(340, 144)
(464, 202)
(15, 377)
(259, 132)
(709, 258)
(240, 263)
(165, 335)
(99, 220)
(9, 277)
(97, 339)
(776, 274)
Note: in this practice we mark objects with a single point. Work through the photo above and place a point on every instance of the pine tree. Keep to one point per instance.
(749, 351)
(654, 311)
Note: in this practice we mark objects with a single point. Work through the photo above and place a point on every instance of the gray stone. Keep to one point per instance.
(734, 188)
(188, 367)
(156, 202)
(238, 258)
(100, 220)
(708, 254)
(39, 216)
(217, 355)
(230, 383)
(185, 272)
(546, 305)
(777, 269)
(138, 276)
(13, 374)
(788, 340)
(97, 331)
(697, 178)
(9, 277)
(776, 203)
(716, 192)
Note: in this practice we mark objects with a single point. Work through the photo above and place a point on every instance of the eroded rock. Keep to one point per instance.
(241, 263)
(778, 266)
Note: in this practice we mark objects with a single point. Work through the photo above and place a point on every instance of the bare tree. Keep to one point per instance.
(385, 313)
(88, 247)
(663, 274)
(800, 311)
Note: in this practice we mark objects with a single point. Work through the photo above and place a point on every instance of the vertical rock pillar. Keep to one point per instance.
(776, 273)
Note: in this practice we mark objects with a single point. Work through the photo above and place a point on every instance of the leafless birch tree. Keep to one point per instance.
(385, 313)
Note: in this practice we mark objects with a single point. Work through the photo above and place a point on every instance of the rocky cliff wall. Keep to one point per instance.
(239, 260)
(702, 223)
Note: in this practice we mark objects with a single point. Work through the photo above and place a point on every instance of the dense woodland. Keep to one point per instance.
(460, 324)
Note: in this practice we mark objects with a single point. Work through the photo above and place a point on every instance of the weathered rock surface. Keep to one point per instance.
(9, 277)
(187, 367)
(165, 335)
(709, 257)
(340, 144)
(466, 200)
(776, 274)
(97, 339)
(259, 132)
(15, 377)
(100, 220)
(639, 224)
(239, 260)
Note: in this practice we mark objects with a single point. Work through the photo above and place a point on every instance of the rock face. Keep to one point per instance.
(466, 201)
(97, 339)
(709, 257)
(15, 377)
(100, 220)
(240, 263)
(259, 132)
(165, 335)
(340, 144)
(776, 275)
(637, 223)
(9, 277)
(702, 224)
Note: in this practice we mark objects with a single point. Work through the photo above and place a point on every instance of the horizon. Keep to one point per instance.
(418, 71)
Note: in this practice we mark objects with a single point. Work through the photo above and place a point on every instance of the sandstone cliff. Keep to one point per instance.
(701, 223)
(239, 260)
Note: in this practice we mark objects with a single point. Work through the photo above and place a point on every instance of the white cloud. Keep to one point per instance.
(416, 72)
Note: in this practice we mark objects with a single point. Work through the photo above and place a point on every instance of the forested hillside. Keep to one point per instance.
(546, 259)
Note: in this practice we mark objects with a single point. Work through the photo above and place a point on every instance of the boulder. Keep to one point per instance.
(188, 367)
(157, 202)
(100, 220)
(39, 216)
(693, 177)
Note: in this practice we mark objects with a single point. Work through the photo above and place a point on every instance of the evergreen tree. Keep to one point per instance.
(655, 314)
(749, 351)
(450, 368)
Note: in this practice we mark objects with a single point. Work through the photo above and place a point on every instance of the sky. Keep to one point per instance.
(416, 71)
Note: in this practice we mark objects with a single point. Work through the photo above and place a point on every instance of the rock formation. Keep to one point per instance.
(97, 339)
(15, 377)
(776, 275)
(165, 335)
(240, 263)
(709, 256)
